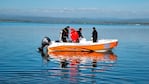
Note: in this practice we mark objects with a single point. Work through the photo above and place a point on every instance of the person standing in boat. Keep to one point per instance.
(74, 35)
(80, 34)
(64, 34)
(94, 35)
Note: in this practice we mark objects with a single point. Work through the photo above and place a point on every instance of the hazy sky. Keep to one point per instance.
(77, 8)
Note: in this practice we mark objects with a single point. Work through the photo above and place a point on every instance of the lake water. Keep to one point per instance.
(20, 63)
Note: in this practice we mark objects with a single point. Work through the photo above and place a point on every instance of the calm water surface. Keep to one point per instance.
(21, 63)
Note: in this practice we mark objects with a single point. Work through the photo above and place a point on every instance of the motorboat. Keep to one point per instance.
(102, 45)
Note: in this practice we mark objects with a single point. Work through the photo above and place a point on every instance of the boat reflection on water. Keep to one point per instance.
(77, 58)
(76, 67)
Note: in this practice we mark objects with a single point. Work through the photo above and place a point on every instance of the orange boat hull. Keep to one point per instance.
(75, 47)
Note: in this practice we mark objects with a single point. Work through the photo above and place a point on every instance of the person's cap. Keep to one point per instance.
(67, 26)
(80, 28)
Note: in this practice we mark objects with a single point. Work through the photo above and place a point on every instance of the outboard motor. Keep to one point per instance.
(46, 41)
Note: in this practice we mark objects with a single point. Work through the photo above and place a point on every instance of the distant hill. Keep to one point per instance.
(66, 20)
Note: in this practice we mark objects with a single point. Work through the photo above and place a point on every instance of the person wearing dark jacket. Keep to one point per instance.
(80, 33)
(94, 35)
(64, 34)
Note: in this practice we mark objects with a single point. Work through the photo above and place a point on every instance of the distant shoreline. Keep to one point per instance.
(53, 20)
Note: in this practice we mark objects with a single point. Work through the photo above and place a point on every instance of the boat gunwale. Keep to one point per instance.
(88, 43)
